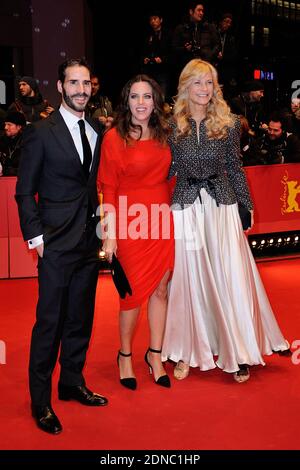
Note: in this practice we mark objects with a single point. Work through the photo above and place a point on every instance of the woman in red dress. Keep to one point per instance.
(135, 161)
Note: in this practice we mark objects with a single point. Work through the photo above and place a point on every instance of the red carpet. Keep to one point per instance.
(208, 410)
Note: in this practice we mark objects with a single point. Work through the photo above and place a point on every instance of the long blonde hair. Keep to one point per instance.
(219, 116)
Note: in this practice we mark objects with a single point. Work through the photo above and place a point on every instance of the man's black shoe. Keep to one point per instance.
(46, 419)
(81, 394)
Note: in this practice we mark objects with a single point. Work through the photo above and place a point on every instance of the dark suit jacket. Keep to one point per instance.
(50, 168)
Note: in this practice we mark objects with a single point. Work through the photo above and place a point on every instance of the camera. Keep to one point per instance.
(196, 49)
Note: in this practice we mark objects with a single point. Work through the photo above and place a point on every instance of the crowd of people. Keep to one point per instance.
(163, 54)
(189, 257)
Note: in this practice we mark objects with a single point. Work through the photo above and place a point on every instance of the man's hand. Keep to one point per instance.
(40, 250)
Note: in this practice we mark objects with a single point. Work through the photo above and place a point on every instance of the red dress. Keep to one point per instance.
(133, 178)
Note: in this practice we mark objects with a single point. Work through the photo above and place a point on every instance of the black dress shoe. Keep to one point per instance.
(46, 419)
(80, 393)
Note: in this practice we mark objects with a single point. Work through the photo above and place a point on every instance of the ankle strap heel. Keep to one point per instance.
(158, 351)
(163, 380)
(120, 353)
(128, 382)
(146, 360)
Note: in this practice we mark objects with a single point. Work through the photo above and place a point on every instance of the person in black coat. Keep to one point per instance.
(249, 104)
(59, 164)
(156, 52)
(30, 101)
(275, 146)
(10, 143)
(195, 38)
(228, 56)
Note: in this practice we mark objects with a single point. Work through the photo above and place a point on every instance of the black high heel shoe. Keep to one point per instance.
(128, 382)
(163, 380)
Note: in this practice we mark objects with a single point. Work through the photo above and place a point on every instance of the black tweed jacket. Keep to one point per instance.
(213, 164)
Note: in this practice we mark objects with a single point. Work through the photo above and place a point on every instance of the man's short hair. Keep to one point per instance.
(155, 13)
(71, 63)
(194, 3)
(277, 116)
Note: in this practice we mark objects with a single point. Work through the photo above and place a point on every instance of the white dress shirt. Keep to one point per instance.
(72, 123)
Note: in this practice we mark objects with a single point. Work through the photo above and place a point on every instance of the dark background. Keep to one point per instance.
(117, 42)
(110, 35)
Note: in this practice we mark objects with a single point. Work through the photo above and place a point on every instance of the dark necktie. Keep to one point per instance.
(87, 152)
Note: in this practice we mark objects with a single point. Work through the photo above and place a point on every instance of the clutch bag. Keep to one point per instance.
(245, 216)
(119, 278)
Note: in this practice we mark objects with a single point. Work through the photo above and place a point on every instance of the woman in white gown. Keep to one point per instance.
(218, 310)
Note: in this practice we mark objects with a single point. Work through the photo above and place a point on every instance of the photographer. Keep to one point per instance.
(10, 143)
(195, 38)
(99, 106)
(249, 104)
(156, 52)
(30, 101)
(275, 146)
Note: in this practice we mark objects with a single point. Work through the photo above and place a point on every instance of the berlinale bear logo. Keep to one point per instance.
(290, 193)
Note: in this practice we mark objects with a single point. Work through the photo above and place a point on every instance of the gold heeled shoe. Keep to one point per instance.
(181, 370)
(243, 374)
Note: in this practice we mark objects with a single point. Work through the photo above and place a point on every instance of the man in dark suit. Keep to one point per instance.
(59, 164)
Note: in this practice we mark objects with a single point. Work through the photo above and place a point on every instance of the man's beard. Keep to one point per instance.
(69, 100)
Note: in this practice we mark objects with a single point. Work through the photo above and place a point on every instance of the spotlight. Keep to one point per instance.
(275, 244)
(102, 255)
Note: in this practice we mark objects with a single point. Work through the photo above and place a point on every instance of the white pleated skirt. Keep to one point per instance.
(218, 311)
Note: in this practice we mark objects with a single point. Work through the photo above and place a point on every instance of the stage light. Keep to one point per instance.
(275, 244)
(102, 255)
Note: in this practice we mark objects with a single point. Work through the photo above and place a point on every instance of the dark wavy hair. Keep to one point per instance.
(158, 123)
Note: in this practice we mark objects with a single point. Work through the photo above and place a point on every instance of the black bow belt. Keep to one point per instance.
(199, 183)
